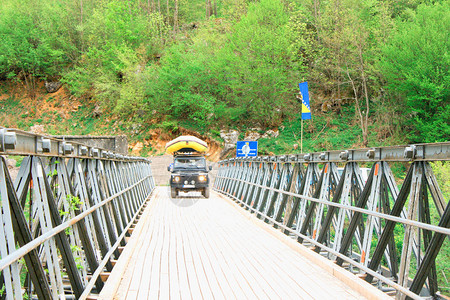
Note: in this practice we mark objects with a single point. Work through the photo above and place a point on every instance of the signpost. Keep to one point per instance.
(246, 148)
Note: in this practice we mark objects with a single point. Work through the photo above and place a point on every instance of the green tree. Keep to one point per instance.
(25, 48)
(415, 65)
(262, 73)
(184, 86)
(116, 34)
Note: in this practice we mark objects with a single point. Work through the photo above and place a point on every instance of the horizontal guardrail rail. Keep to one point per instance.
(352, 214)
(65, 216)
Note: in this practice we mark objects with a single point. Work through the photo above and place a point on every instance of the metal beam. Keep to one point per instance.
(359, 211)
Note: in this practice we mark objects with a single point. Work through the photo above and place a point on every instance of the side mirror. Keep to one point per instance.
(210, 168)
(168, 168)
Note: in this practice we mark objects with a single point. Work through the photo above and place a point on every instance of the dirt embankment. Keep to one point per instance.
(159, 138)
(23, 109)
(61, 113)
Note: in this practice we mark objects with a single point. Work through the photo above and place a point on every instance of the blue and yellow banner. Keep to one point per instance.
(306, 109)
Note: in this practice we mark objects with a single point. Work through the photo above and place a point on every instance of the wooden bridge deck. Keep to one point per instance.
(208, 249)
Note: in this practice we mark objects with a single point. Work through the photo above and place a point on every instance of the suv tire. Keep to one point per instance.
(206, 192)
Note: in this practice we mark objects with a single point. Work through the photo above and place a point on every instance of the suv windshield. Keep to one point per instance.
(190, 163)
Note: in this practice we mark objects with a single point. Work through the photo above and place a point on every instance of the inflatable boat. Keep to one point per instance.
(186, 143)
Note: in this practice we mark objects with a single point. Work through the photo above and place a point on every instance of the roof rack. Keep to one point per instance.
(188, 153)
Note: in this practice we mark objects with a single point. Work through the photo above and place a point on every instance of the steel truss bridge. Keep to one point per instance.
(79, 222)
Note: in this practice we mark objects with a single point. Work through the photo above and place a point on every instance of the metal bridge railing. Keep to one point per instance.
(351, 219)
(65, 217)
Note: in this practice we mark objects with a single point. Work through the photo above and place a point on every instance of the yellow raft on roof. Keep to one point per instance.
(186, 143)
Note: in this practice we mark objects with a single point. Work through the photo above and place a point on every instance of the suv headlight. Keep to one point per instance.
(202, 178)
(176, 178)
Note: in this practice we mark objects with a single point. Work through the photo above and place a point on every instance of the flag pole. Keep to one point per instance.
(301, 138)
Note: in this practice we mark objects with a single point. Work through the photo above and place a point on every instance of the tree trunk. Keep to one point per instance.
(81, 25)
(317, 13)
(175, 18)
(151, 7)
(207, 9)
(366, 96)
(362, 120)
(167, 16)
(215, 8)
(159, 6)
(29, 84)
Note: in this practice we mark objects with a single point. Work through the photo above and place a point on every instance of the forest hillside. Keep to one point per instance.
(377, 70)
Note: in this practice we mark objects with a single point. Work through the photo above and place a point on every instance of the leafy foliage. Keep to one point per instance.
(237, 63)
(415, 64)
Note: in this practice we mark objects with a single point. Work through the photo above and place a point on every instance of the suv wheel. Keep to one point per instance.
(206, 192)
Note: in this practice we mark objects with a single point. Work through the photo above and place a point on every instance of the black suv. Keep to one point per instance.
(189, 173)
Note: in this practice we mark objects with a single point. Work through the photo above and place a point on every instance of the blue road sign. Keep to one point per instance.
(246, 148)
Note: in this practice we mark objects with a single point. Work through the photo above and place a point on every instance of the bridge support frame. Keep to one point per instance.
(344, 214)
(66, 208)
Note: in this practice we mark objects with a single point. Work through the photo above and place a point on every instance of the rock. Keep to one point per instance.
(97, 112)
(137, 148)
(252, 136)
(37, 129)
(52, 86)
(270, 134)
(230, 139)
(10, 163)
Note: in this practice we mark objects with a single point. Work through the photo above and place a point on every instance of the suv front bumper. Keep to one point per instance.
(189, 182)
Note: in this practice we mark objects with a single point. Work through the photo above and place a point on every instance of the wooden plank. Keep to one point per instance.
(227, 243)
(241, 260)
(197, 261)
(126, 283)
(153, 291)
(295, 270)
(185, 290)
(339, 276)
(140, 268)
(132, 295)
(111, 287)
(212, 250)
(274, 275)
(154, 231)
(220, 268)
(173, 264)
(219, 235)
(164, 286)
(233, 276)
(191, 273)
(240, 286)
(282, 271)
(196, 230)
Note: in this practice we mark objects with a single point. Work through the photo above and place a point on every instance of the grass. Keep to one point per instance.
(17, 158)
(330, 131)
